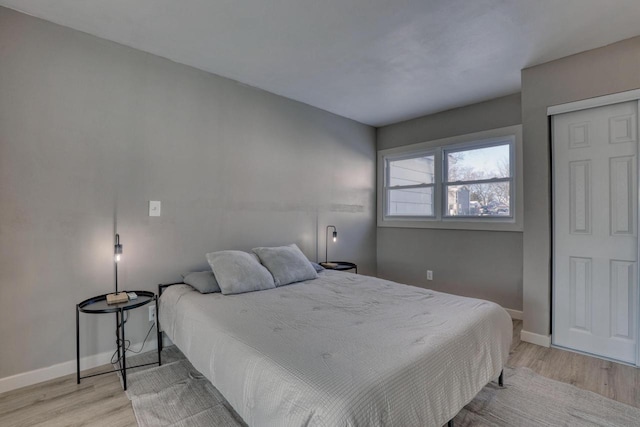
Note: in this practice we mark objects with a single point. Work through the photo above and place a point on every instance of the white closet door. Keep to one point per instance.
(595, 230)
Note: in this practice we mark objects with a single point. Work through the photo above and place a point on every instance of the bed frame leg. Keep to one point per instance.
(450, 423)
(501, 379)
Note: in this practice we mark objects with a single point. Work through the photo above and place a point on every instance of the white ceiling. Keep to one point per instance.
(375, 61)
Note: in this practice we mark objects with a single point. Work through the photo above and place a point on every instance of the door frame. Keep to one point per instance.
(569, 107)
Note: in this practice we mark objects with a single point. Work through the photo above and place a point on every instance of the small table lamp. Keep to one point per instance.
(117, 256)
(117, 251)
(335, 239)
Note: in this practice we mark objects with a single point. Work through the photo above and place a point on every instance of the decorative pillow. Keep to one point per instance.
(287, 264)
(317, 266)
(203, 281)
(238, 272)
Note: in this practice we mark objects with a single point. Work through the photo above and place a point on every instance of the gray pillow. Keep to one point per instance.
(203, 281)
(287, 264)
(317, 266)
(238, 272)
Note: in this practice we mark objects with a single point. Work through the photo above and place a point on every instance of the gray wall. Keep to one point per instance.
(483, 264)
(611, 69)
(90, 131)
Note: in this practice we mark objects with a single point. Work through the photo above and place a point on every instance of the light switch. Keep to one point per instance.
(154, 208)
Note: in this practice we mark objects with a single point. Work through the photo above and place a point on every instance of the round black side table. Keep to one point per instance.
(98, 305)
(343, 266)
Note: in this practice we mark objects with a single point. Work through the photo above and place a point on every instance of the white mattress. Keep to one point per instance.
(340, 350)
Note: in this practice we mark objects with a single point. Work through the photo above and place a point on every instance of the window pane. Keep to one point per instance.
(479, 163)
(411, 202)
(414, 171)
(484, 200)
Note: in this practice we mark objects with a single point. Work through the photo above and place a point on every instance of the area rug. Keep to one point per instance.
(175, 394)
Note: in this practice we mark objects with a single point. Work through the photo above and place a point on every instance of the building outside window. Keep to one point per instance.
(410, 183)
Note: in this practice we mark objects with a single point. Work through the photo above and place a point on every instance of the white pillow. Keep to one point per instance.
(238, 272)
(202, 281)
(287, 264)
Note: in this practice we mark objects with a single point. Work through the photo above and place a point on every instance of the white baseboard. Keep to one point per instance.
(515, 314)
(537, 339)
(61, 369)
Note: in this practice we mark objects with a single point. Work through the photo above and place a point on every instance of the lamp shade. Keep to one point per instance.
(117, 250)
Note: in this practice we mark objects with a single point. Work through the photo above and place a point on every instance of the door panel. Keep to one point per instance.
(623, 281)
(621, 191)
(595, 230)
(580, 282)
(580, 197)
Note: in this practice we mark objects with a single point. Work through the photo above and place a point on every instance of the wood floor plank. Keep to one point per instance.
(100, 401)
(609, 379)
(62, 402)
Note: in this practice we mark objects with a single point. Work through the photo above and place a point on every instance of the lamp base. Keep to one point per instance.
(117, 298)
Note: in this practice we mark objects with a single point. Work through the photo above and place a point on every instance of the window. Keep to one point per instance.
(409, 185)
(468, 182)
(478, 180)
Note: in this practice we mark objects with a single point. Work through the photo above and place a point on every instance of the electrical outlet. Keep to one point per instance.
(429, 275)
(152, 313)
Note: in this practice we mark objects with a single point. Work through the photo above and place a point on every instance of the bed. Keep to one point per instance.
(340, 350)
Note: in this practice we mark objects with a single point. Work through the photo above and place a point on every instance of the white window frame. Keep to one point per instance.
(509, 140)
(439, 148)
(387, 188)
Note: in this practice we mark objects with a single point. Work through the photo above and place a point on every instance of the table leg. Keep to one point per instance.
(77, 344)
(118, 337)
(158, 331)
(124, 351)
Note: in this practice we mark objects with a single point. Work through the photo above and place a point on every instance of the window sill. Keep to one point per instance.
(453, 224)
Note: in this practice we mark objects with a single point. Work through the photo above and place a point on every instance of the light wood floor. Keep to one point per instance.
(100, 401)
(613, 380)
